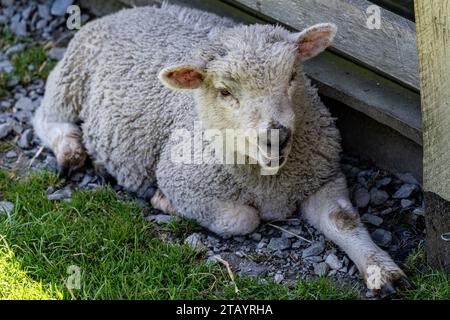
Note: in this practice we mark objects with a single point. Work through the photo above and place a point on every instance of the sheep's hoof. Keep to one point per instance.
(160, 202)
(384, 279)
(70, 156)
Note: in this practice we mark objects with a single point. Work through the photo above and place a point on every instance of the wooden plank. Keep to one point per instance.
(433, 39)
(390, 50)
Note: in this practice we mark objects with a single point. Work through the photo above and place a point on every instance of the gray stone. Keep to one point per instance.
(280, 244)
(362, 197)
(372, 219)
(352, 270)
(18, 26)
(25, 139)
(419, 211)
(6, 66)
(59, 7)
(382, 237)
(161, 218)
(7, 3)
(278, 278)
(333, 262)
(256, 236)
(321, 269)
(378, 197)
(11, 154)
(408, 178)
(56, 53)
(313, 250)
(406, 203)
(297, 244)
(383, 182)
(41, 24)
(195, 242)
(404, 191)
(6, 207)
(14, 49)
(62, 194)
(5, 130)
(44, 12)
(251, 269)
(24, 103)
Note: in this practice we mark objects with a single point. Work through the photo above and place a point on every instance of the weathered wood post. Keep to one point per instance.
(433, 42)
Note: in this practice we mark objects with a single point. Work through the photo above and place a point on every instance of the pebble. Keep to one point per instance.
(378, 197)
(6, 66)
(24, 104)
(62, 194)
(161, 218)
(56, 53)
(25, 139)
(59, 7)
(6, 207)
(14, 49)
(408, 178)
(251, 269)
(195, 242)
(313, 250)
(278, 278)
(362, 197)
(384, 182)
(382, 237)
(256, 236)
(44, 12)
(406, 203)
(333, 262)
(279, 244)
(5, 130)
(404, 191)
(372, 219)
(11, 154)
(321, 269)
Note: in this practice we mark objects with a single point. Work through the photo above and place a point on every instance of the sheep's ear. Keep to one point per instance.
(315, 39)
(180, 77)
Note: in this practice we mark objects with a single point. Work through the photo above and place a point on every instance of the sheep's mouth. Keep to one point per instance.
(274, 160)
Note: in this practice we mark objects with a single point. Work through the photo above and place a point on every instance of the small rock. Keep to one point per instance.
(333, 262)
(372, 219)
(261, 245)
(297, 244)
(404, 191)
(256, 236)
(313, 250)
(195, 242)
(56, 53)
(24, 103)
(408, 178)
(378, 197)
(62, 194)
(278, 278)
(5, 130)
(59, 7)
(321, 269)
(382, 237)
(161, 218)
(18, 26)
(352, 270)
(11, 154)
(419, 212)
(44, 12)
(7, 3)
(25, 139)
(14, 49)
(276, 244)
(383, 182)
(362, 197)
(6, 66)
(406, 203)
(6, 207)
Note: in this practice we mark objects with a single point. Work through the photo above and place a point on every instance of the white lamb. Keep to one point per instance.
(104, 100)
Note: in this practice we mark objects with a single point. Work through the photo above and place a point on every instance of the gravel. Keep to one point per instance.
(313, 250)
(405, 191)
(382, 237)
(362, 197)
(276, 244)
(378, 197)
(333, 262)
(59, 7)
(195, 242)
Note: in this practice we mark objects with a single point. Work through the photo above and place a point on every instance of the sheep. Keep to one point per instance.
(129, 81)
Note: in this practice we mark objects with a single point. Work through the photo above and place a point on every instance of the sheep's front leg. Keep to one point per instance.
(331, 212)
(226, 218)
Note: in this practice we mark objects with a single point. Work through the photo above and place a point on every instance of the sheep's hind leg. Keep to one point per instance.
(331, 212)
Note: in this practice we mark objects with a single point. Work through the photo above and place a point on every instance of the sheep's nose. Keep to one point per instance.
(284, 135)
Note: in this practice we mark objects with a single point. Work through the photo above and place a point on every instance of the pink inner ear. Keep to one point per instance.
(313, 43)
(187, 78)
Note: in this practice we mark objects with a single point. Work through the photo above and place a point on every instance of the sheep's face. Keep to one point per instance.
(247, 81)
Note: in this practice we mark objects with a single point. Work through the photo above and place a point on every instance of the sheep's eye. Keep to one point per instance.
(225, 93)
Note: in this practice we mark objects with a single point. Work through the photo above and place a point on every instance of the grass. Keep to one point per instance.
(28, 63)
(116, 251)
